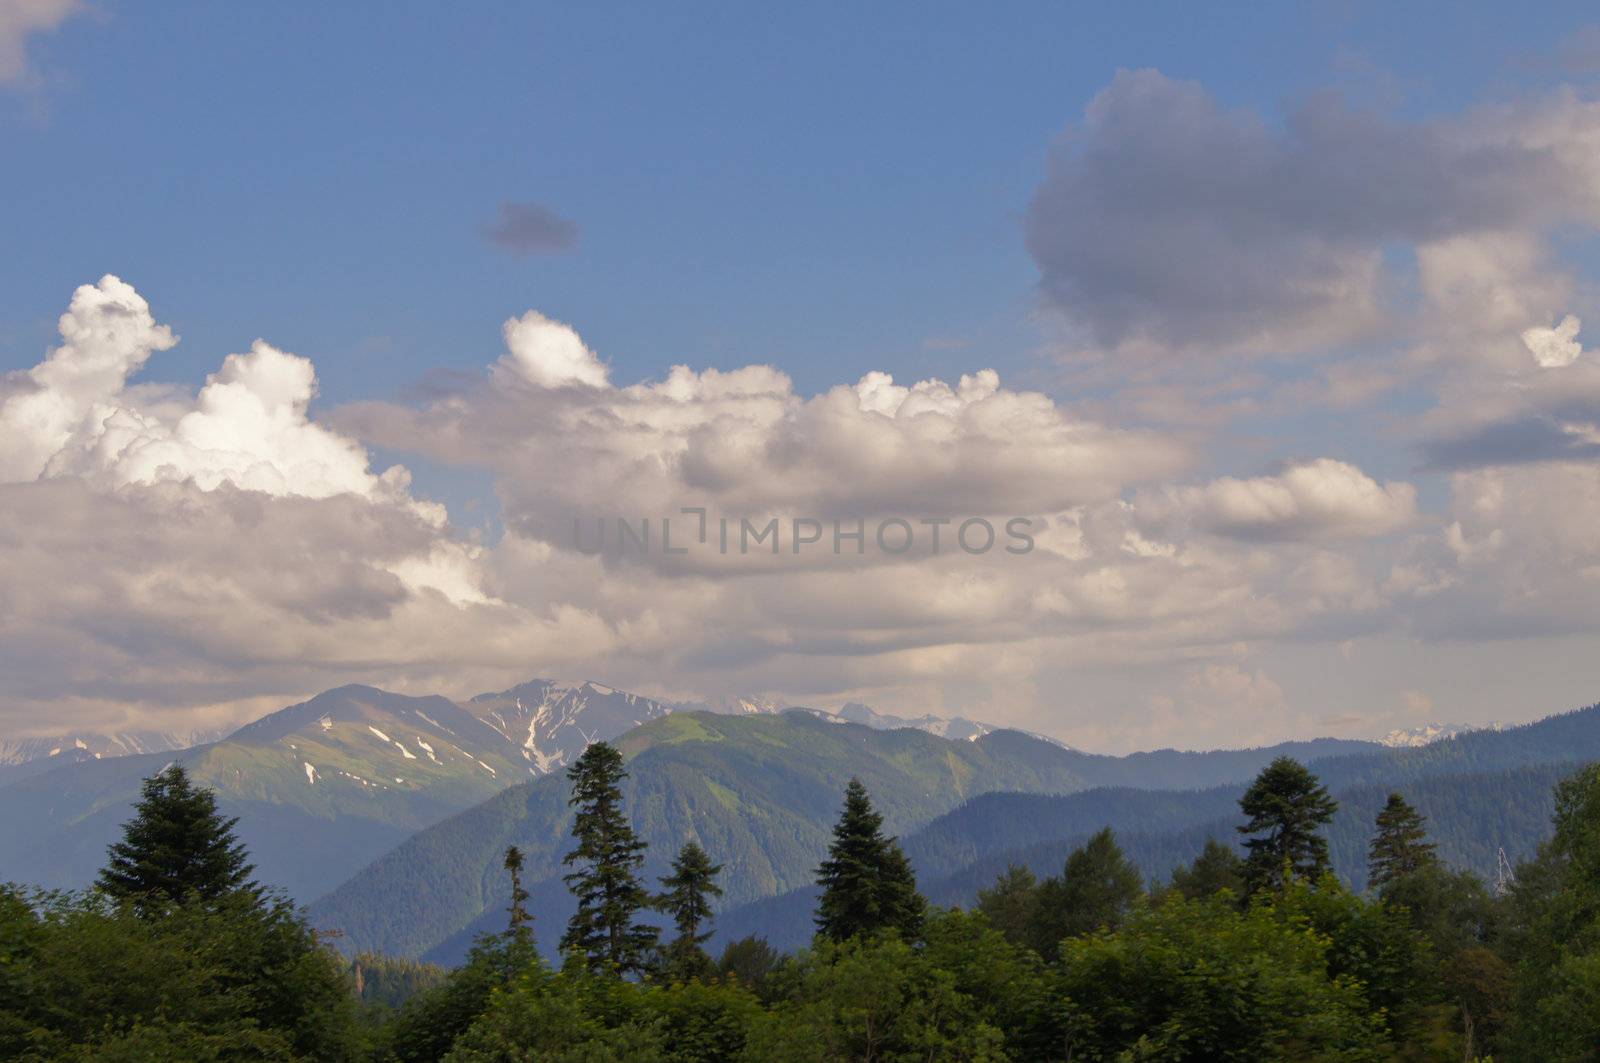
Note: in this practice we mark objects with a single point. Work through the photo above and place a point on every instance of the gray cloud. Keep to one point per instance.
(531, 229)
(1534, 438)
(1165, 220)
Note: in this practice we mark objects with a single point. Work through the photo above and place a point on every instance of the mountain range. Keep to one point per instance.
(323, 787)
(760, 794)
(390, 813)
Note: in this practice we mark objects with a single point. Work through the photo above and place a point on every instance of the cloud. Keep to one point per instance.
(548, 354)
(745, 443)
(1315, 500)
(1167, 221)
(107, 334)
(1554, 348)
(531, 229)
(20, 19)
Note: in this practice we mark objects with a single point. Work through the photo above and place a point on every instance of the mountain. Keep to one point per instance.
(549, 723)
(22, 757)
(955, 728)
(320, 789)
(1428, 732)
(760, 792)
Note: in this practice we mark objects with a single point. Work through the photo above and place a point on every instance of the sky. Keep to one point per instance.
(322, 325)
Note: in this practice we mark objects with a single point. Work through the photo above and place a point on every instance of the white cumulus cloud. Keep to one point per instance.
(1554, 348)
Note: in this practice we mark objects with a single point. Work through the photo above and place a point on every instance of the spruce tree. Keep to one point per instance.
(176, 847)
(686, 897)
(1400, 848)
(1285, 807)
(867, 883)
(608, 857)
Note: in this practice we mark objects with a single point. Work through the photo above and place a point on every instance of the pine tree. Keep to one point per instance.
(687, 897)
(1398, 849)
(1216, 868)
(867, 883)
(175, 847)
(1285, 806)
(608, 856)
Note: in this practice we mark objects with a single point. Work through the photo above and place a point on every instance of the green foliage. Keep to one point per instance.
(866, 882)
(1285, 808)
(176, 847)
(1203, 980)
(1555, 935)
(237, 977)
(608, 856)
(579, 1014)
(1216, 868)
(1400, 848)
(873, 999)
(428, 1024)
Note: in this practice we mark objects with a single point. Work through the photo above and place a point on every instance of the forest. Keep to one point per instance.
(177, 953)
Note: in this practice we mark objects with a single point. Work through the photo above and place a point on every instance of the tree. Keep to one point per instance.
(519, 896)
(1217, 867)
(175, 847)
(867, 883)
(1398, 849)
(1095, 889)
(687, 897)
(1284, 807)
(608, 856)
(1010, 903)
(750, 961)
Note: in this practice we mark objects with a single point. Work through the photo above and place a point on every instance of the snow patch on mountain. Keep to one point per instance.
(1429, 733)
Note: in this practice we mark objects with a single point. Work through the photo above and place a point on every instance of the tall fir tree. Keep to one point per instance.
(1400, 847)
(176, 847)
(608, 857)
(867, 883)
(686, 896)
(1285, 808)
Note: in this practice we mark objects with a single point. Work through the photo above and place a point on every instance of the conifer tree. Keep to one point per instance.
(867, 883)
(687, 897)
(519, 896)
(175, 847)
(1399, 849)
(1285, 808)
(608, 857)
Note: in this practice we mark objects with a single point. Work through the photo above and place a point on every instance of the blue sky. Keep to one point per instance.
(1285, 303)
(834, 188)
